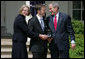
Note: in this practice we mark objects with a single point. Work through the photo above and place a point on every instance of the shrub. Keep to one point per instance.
(79, 50)
(78, 27)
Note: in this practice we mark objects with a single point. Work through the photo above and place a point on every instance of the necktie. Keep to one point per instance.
(55, 22)
(42, 24)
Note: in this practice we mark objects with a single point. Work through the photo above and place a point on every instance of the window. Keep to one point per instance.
(78, 10)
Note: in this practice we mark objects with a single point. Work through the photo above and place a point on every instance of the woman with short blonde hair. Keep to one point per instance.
(22, 7)
(20, 34)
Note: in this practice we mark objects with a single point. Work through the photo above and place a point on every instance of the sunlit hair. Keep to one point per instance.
(55, 4)
(22, 7)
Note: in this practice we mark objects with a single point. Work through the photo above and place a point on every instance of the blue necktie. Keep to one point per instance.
(42, 24)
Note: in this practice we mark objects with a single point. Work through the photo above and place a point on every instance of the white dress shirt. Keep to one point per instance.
(57, 15)
(40, 19)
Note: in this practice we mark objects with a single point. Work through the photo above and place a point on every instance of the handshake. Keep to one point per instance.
(45, 37)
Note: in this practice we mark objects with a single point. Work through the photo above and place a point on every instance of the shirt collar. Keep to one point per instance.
(57, 14)
(39, 18)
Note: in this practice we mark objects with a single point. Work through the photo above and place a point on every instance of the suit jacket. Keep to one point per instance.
(21, 30)
(37, 45)
(64, 28)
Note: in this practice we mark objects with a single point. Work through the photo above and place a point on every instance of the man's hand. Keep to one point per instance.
(43, 37)
(73, 46)
(49, 39)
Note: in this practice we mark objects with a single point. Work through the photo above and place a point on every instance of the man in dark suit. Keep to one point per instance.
(60, 26)
(38, 47)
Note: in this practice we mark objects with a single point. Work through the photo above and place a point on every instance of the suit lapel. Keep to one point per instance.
(51, 24)
(59, 21)
(38, 23)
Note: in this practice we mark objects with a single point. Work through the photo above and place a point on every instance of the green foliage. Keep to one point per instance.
(78, 27)
(79, 50)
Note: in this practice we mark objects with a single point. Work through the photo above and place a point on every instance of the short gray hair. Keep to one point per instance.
(55, 4)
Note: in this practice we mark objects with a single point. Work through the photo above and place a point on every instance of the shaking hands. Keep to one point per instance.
(43, 37)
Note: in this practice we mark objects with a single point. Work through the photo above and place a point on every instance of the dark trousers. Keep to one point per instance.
(19, 50)
(39, 54)
(56, 53)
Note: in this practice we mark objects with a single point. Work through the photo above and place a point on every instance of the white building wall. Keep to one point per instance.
(12, 9)
(2, 13)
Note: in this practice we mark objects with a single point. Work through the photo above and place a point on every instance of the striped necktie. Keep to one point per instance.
(42, 24)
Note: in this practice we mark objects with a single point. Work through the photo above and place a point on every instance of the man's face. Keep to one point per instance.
(52, 10)
(43, 11)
